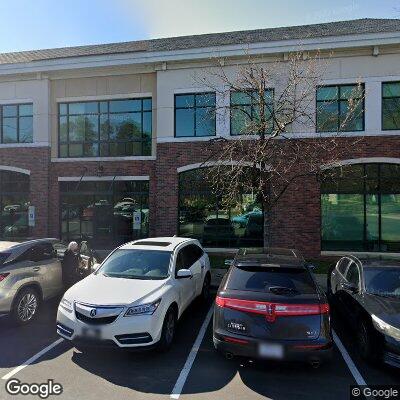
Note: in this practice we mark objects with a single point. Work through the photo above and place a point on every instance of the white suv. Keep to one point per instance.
(135, 297)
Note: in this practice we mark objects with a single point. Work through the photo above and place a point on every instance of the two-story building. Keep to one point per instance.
(103, 142)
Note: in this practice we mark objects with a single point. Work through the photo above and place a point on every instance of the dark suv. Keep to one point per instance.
(269, 306)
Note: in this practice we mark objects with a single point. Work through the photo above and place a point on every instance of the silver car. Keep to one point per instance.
(30, 272)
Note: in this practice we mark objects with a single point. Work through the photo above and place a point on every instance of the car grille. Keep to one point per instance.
(134, 338)
(95, 321)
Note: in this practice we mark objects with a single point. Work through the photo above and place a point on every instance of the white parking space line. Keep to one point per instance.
(177, 390)
(346, 356)
(32, 359)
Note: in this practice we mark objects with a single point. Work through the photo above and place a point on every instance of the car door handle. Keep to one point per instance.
(36, 269)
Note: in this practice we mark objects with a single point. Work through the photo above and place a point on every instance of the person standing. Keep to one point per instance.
(70, 265)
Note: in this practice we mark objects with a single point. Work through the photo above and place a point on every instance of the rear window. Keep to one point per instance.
(261, 279)
(3, 257)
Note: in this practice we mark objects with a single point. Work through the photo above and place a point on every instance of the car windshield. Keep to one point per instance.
(275, 280)
(383, 281)
(137, 264)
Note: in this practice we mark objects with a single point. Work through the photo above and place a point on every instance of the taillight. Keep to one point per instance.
(4, 276)
(272, 310)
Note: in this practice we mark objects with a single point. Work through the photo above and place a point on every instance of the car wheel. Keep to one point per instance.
(365, 342)
(168, 330)
(26, 306)
(205, 291)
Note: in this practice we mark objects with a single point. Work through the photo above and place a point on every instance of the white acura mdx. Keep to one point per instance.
(135, 297)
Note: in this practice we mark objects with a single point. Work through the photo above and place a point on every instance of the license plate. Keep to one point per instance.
(91, 333)
(271, 350)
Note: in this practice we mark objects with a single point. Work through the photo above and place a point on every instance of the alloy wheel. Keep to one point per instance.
(170, 328)
(27, 307)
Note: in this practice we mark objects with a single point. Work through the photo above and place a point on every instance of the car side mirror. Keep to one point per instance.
(350, 287)
(311, 267)
(184, 273)
(228, 262)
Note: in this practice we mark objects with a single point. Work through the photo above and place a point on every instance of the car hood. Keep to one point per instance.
(385, 308)
(102, 290)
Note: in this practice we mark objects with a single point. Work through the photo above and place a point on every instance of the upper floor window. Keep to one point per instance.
(16, 123)
(340, 108)
(113, 128)
(390, 105)
(195, 115)
(245, 112)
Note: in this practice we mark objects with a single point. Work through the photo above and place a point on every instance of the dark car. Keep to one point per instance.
(269, 306)
(367, 293)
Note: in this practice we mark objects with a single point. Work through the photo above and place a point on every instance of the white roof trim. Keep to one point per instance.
(102, 178)
(15, 169)
(362, 160)
(279, 46)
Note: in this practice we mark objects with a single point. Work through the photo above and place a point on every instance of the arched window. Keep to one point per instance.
(360, 207)
(14, 203)
(203, 215)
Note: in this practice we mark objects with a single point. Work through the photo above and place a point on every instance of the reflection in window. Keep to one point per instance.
(103, 212)
(391, 105)
(16, 123)
(195, 114)
(105, 128)
(203, 215)
(14, 200)
(245, 110)
(360, 206)
(340, 108)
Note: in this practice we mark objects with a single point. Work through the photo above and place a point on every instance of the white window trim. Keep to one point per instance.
(34, 144)
(102, 178)
(15, 169)
(362, 160)
(107, 97)
(15, 101)
(104, 159)
(207, 164)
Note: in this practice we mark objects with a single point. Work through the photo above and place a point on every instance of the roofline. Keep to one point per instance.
(193, 54)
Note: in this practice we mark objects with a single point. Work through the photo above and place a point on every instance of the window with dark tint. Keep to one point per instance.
(111, 128)
(246, 109)
(137, 264)
(16, 123)
(102, 212)
(353, 274)
(195, 114)
(360, 207)
(340, 108)
(390, 105)
(383, 281)
(193, 253)
(205, 216)
(260, 279)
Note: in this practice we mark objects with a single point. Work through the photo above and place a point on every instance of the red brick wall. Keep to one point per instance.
(36, 160)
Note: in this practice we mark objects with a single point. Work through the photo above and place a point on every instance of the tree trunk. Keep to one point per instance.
(267, 225)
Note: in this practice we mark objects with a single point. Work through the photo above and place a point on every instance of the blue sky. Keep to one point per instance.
(37, 24)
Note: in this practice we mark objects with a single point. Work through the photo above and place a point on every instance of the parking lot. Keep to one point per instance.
(122, 375)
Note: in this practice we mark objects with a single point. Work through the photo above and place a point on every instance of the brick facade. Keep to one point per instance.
(296, 220)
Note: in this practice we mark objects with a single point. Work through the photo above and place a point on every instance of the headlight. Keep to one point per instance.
(143, 309)
(66, 304)
(386, 328)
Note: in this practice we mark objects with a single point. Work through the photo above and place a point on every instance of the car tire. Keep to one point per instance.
(205, 291)
(167, 331)
(26, 306)
(365, 342)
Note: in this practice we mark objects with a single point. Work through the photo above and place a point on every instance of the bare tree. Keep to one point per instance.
(272, 108)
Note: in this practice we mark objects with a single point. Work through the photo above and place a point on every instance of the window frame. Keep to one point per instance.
(338, 101)
(384, 97)
(98, 114)
(17, 117)
(195, 107)
(272, 90)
